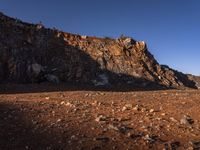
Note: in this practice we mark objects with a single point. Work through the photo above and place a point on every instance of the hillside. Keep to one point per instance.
(31, 53)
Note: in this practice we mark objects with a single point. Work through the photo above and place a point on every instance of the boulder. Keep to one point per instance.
(35, 71)
(52, 78)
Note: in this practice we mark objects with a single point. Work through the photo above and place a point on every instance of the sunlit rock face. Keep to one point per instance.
(30, 53)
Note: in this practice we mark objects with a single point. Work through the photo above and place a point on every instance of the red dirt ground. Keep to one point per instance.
(35, 118)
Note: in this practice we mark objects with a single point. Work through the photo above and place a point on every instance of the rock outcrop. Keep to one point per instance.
(31, 53)
(195, 79)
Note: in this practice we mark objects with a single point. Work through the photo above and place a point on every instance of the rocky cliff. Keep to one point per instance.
(195, 79)
(32, 53)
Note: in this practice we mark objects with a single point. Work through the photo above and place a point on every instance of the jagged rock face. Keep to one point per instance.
(31, 53)
(195, 79)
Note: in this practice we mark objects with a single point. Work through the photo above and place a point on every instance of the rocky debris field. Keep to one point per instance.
(44, 119)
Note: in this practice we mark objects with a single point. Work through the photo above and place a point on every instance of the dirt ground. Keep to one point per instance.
(34, 117)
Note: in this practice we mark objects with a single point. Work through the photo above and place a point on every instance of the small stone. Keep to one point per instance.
(99, 104)
(143, 109)
(173, 119)
(95, 103)
(127, 107)
(68, 104)
(88, 95)
(110, 126)
(183, 103)
(73, 137)
(163, 114)
(47, 98)
(124, 108)
(186, 120)
(104, 130)
(100, 118)
(59, 120)
(62, 103)
(136, 108)
(151, 110)
(130, 106)
(150, 138)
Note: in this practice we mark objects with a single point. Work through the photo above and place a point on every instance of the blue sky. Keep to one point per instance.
(171, 28)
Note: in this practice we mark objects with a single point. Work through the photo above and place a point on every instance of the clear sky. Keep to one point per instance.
(171, 28)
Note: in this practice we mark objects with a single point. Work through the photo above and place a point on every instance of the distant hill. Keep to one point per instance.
(31, 53)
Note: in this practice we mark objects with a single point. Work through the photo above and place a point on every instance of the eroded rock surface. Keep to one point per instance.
(195, 79)
(32, 53)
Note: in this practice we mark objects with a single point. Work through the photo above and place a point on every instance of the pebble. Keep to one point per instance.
(59, 120)
(95, 103)
(110, 126)
(186, 120)
(173, 119)
(127, 107)
(163, 114)
(69, 104)
(73, 137)
(150, 138)
(62, 103)
(136, 108)
(87, 95)
(124, 108)
(101, 118)
(151, 110)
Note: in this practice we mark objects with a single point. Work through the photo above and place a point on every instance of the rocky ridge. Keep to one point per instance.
(195, 79)
(31, 53)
